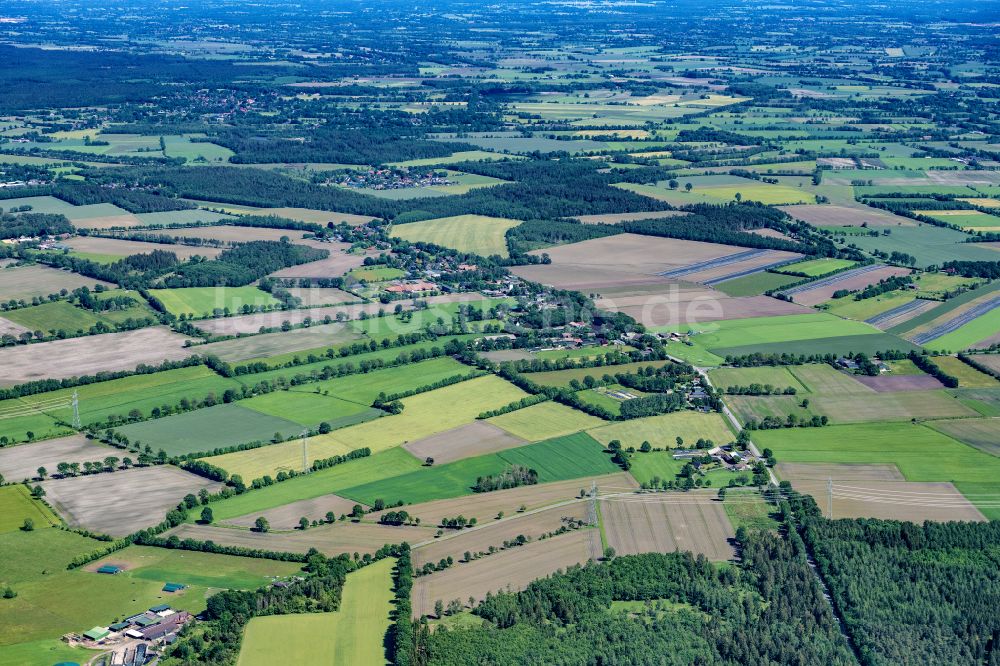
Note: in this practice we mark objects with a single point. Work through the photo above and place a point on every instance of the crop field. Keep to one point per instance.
(118, 397)
(508, 570)
(365, 387)
(394, 462)
(842, 216)
(51, 317)
(878, 491)
(22, 462)
(816, 267)
(286, 517)
(122, 502)
(875, 310)
(563, 377)
(968, 377)
(75, 357)
(972, 329)
(772, 195)
(310, 409)
(423, 415)
(252, 323)
(778, 377)
(559, 459)
(35, 564)
(755, 284)
(352, 635)
(27, 282)
(117, 248)
(17, 506)
(331, 540)
(286, 342)
(485, 507)
(205, 430)
(856, 279)
(929, 244)
(920, 453)
(980, 433)
(991, 361)
(338, 263)
(193, 568)
(545, 420)
(839, 345)
(718, 336)
(473, 439)
(664, 523)
(477, 234)
(203, 301)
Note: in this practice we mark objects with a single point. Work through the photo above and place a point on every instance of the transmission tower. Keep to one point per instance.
(76, 410)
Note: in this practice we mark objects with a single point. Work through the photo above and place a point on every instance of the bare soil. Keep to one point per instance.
(510, 570)
(843, 216)
(121, 503)
(286, 517)
(825, 292)
(22, 462)
(473, 439)
(89, 355)
(667, 522)
(890, 383)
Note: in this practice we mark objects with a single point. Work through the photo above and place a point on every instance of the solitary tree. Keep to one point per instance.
(42, 473)
(28, 525)
(303, 523)
(261, 524)
(206, 515)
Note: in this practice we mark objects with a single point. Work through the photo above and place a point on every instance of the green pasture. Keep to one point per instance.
(816, 267)
(920, 453)
(17, 505)
(203, 301)
(756, 284)
(564, 377)
(478, 234)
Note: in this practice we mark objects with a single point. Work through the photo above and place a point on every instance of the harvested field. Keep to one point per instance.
(27, 282)
(271, 344)
(316, 216)
(991, 361)
(631, 254)
(338, 263)
(545, 420)
(286, 516)
(509, 570)
(667, 522)
(686, 304)
(822, 290)
(864, 497)
(124, 220)
(7, 327)
(22, 462)
(124, 248)
(331, 540)
(455, 543)
(891, 384)
(234, 234)
(315, 296)
(843, 471)
(124, 502)
(508, 355)
(484, 507)
(844, 216)
(252, 323)
(465, 441)
(89, 355)
(618, 218)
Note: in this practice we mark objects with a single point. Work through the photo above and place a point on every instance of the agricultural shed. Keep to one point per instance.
(173, 587)
(109, 569)
(96, 634)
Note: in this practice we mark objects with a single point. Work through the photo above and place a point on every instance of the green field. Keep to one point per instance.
(57, 316)
(376, 273)
(545, 420)
(52, 600)
(980, 433)
(694, 353)
(203, 301)
(563, 377)
(602, 397)
(16, 505)
(981, 328)
(355, 634)
(868, 307)
(816, 267)
(776, 376)
(842, 344)
(193, 568)
(363, 388)
(920, 453)
(717, 336)
(929, 244)
(558, 459)
(755, 284)
(749, 510)
(306, 409)
(662, 431)
(208, 429)
(580, 352)
(477, 234)
(968, 377)
(117, 397)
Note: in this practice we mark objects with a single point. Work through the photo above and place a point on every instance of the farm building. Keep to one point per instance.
(109, 569)
(97, 634)
(173, 587)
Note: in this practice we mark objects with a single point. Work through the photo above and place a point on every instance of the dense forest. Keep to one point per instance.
(766, 610)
